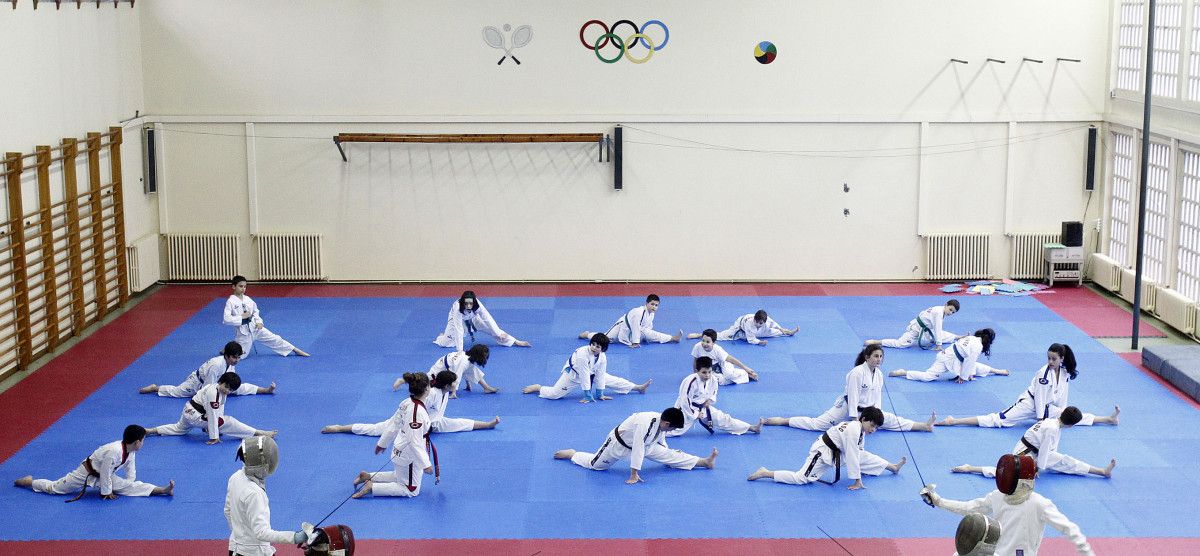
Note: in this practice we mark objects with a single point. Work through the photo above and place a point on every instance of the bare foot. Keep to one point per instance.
(268, 390)
(709, 462)
(491, 424)
(151, 389)
(694, 335)
(897, 373)
(678, 336)
(774, 421)
(268, 434)
(895, 467)
(531, 388)
(964, 468)
(928, 425)
(490, 390)
(152, 431)
(1114, 417)
(753, 375)
(641, 388)
(791, 332)
(760, 473)
(523, 343)
(949, 421)
(583, 336)
(1002, 372)
(168, 490)
(366, 489)
(872, 342)
(1108, 470)
(396, 385)
(26, 481)
(300, 352)
(564, 454)
(758, 428)
(331, 429)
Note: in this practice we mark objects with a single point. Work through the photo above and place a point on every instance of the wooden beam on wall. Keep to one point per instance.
(70, 152)
(49, 265)
(97, 221)
(118, 195)
(16, 221)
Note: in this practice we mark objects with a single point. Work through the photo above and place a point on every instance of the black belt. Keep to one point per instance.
(199, 408)
(617, 435)
(837, 457)
(1029, 447)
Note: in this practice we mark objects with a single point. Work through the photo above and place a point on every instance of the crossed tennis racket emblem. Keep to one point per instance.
(495, 39)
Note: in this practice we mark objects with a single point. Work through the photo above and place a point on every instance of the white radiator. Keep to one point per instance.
(289, 257)
(1148, 289)
(142, 259)
(1105, 272)
(1175, 309)
(1027, 257)
(201, 257)
(956, 256)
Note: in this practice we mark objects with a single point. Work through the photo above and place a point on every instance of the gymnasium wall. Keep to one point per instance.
(732, 170)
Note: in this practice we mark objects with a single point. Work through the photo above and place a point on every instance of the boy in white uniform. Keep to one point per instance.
(751, 327)
(840, 446)
(247, 508)
(925, 329)
(1045, 398)
(467, 316)
(637, 324)
(640, 436)
(407, 439)
(729, 369)
(1041, 441)
(100, 469)
(587, 369)
(207, 410)
(864, 388)
(466, 365)
(1023, 514)
(697, 396)
(242, 312)
(208, 374)
(960, 361)
(442, 384)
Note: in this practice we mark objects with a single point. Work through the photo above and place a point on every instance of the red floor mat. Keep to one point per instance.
(1094, 314)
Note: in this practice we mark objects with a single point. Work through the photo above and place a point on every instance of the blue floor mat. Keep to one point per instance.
(504, 484)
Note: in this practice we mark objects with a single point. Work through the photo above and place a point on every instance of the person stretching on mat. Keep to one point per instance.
(406, 439)
(100, 469)
(727, 368)
(639, 437)
(587, 369)
(467, 316)
(925, 330)
(751, 327)
(864, 388)
(840, 446)
(435, 405)
(242, 312)
(466, 365)
(960, 361)
(637, 324)
(1045, 398)
(697, 399)
(1041, 441)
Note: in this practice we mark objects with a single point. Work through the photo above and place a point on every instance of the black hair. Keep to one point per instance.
(954, 303)
(865, 353)
(760, 316)
(673, 416)
(1071, 416)
(600, 340)
(703, 362)
(872, 414)
(468, 295)
(710, 333)
(1068, 358)
(652, 297)
(237, 279)
(133, 433)
(443, 379)
(231, 380)
(418, 384)
(986, 336)
(478, 354)
(232, 348)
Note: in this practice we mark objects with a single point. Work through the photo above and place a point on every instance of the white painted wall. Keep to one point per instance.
(858, 90)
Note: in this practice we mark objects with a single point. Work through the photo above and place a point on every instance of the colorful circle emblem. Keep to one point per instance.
(764, 52)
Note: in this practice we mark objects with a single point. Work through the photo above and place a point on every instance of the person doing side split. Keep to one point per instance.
(442, 385)
(959, 362)
(242, 312)
(207, 374)
(206, 410)
(407, 439)
(639, 437)
(587, 369)
(727, 368)
(100, 469)
(636, 325)
(466, 365)
(925, 330)
(864, 388)
(840, 446)
(468, 316)
(1041, 441)
(247, 508)
(1045, 398)
(1023, 514)
(752, 327)
(697, 399)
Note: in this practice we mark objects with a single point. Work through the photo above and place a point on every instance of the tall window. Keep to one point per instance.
(1122, 198)
(1193, 89)
(1168, 30)
(1158, 212)
(1187, 280)
(1129, 45)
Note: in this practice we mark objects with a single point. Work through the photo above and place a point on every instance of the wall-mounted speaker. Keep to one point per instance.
(149, 161)
(1089, 173)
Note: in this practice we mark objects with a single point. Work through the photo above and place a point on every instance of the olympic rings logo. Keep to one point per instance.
(638, 36)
